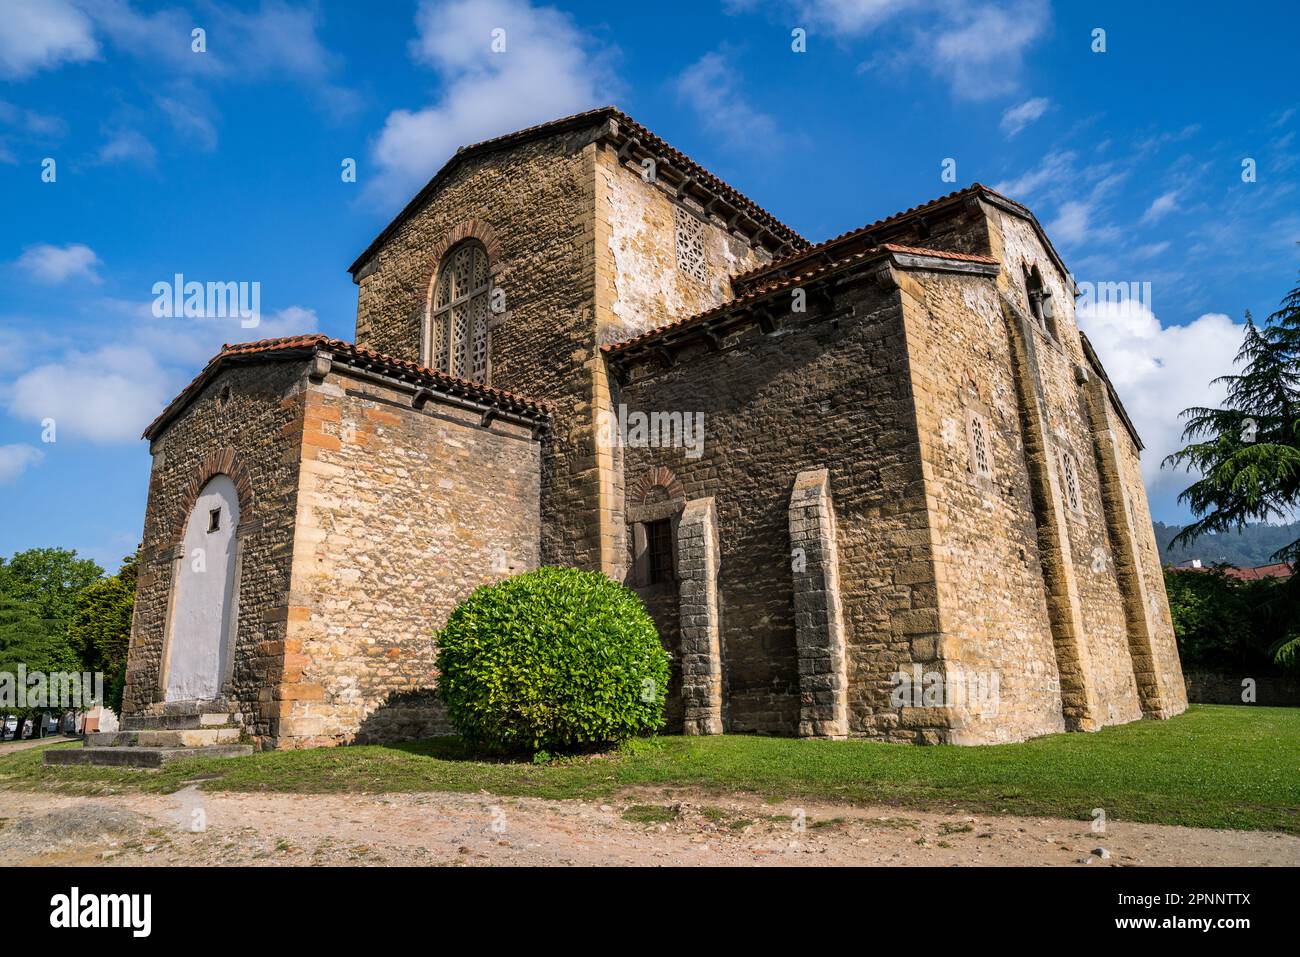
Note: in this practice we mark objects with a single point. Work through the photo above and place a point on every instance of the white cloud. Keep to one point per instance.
(976, 46)
(29, 129)
(709, 87)
(190, 122)
(981, 53)
(1081, 196)
(108, 395)
(277, 39)
(854, 16)
(1151, 250)
(31, 122)
(1056, 169)
(189, 343)
(1158, 372)
(1161, 207)
(15, 459)
(55, 264)
(127, 145)
(545, 72)
(162, 37)
(1018, 117)
(39, 34)
(1071, 223)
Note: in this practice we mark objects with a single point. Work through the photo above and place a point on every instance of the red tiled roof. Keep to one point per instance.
(301, 346)
(577, 120)
(891, 220)
(1275, 570)
(814, 270)
(940, 254)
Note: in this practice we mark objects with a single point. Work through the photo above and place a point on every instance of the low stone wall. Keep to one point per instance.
(1213, 687)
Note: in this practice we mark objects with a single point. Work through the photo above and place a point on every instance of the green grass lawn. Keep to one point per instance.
(1215, 766)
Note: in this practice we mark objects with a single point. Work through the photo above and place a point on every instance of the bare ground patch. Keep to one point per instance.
(646, 827)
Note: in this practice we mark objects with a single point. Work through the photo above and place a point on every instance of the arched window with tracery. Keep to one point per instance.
(456, 338)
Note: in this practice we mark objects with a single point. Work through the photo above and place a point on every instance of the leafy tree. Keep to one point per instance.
(27, 638)
(100, 627)
(1248, 452)
(1222, 623)
(49, 579)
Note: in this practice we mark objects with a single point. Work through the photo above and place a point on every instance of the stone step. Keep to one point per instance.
(140, 757)
(177, 722)
(215, 706)
(184, 738)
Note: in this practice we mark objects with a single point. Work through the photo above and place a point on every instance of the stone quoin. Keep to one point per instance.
(912, 466)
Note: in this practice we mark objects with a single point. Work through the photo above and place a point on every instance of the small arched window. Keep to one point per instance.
(456, 340)
(1040, 301)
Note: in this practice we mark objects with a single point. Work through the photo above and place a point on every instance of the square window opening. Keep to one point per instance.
(214, 520)
(659, 552)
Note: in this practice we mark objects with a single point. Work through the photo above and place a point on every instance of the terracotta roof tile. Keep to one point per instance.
(940, 254)
(319, 342)
(1275, 570)
(864, 231)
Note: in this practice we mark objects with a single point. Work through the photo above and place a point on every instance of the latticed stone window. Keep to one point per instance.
(690, 245)
(457, 338)
(981, 458)
(1070, 476)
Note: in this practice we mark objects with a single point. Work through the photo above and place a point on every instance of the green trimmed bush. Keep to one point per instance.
(554, 659)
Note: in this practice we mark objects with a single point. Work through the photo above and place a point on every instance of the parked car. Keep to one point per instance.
(10, 727)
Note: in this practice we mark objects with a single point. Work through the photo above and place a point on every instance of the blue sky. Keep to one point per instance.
(224, 165)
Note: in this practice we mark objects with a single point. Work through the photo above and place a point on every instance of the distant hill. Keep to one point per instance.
(1253, 545)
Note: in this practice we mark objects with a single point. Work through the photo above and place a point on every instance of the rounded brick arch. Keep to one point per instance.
(470, 229)
(225, 461)
(649, 480)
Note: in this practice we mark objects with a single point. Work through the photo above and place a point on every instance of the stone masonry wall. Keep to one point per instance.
(993, 624)
(401, 514)
(259, 420)
(639, 282)
(1137, 515)
(639, 286)
(833, 394)
(537, 198)
(1090, 555)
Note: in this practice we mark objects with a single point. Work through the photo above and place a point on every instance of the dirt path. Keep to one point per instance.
(8, 747)
(194, 827)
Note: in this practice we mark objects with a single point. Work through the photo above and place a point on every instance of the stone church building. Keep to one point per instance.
(837, 474)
